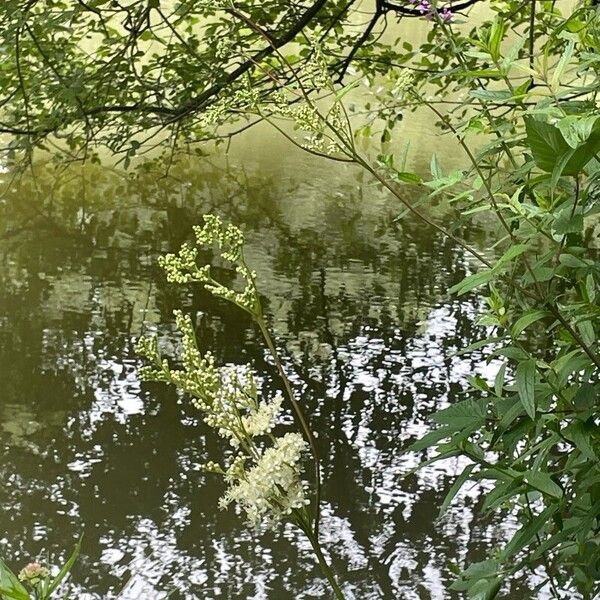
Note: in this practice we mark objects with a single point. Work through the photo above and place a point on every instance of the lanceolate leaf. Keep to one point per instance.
(542, 482)
(525, 535)
(528, 319)
(525, 381)
(460, 480)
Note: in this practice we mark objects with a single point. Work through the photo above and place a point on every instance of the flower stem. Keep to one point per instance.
(324, 566)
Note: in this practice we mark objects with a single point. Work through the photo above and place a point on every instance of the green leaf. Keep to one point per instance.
(10, 585)
(491, 95)
(436, 170)
(573, 262)
(13, 594)
(472, 281)
(431, 438)
(476, 346)
(529, 318)
(66, 568)
(562, 64)
(580, 435)
(559, 167)
(511, 352)
(528, 532)
(460, 480)
(408, 177)
(568, 221)
(462, 414)
(525, 381)
(499, 381)
(495, 39)
(549, 148)
(546, 143)
(590, 286)
(511, 253)
(587, 332)
(543, 482)
(500, 493)
(485, 569)
(577, 129)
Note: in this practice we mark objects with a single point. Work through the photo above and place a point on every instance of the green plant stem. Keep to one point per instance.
(301, 418)
(324, 566)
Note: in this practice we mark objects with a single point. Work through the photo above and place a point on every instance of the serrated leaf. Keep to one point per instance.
(511, 352)
(462, 414)
(568, 221)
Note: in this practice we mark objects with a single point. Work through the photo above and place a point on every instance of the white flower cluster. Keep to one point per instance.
(182, 267)
(264, 475)
(404, 81)
(271, 486)
(271, 489)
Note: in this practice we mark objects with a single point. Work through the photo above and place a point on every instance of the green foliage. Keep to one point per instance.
(34, 581)
(535, 432)
(519, 94)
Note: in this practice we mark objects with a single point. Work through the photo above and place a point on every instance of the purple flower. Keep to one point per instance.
(446, 14)
(424, 7)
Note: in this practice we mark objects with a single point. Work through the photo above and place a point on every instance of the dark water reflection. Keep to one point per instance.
(359, 306)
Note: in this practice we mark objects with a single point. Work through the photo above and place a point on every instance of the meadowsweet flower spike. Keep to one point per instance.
(263, 472)
(264, 475)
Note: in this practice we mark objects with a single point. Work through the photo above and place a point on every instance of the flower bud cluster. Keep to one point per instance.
(182, 267)
(33, 574)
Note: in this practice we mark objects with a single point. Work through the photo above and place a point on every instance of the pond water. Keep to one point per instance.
(358, 302)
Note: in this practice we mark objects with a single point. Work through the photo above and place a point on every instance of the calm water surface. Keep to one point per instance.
(359, 305)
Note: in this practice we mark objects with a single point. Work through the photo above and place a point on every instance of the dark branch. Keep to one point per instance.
(360, 42)
(415, 12)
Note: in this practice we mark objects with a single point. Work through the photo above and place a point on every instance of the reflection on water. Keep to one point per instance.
(359, 305)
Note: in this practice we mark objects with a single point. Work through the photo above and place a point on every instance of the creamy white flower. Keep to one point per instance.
(272, 488)
(264, 474)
